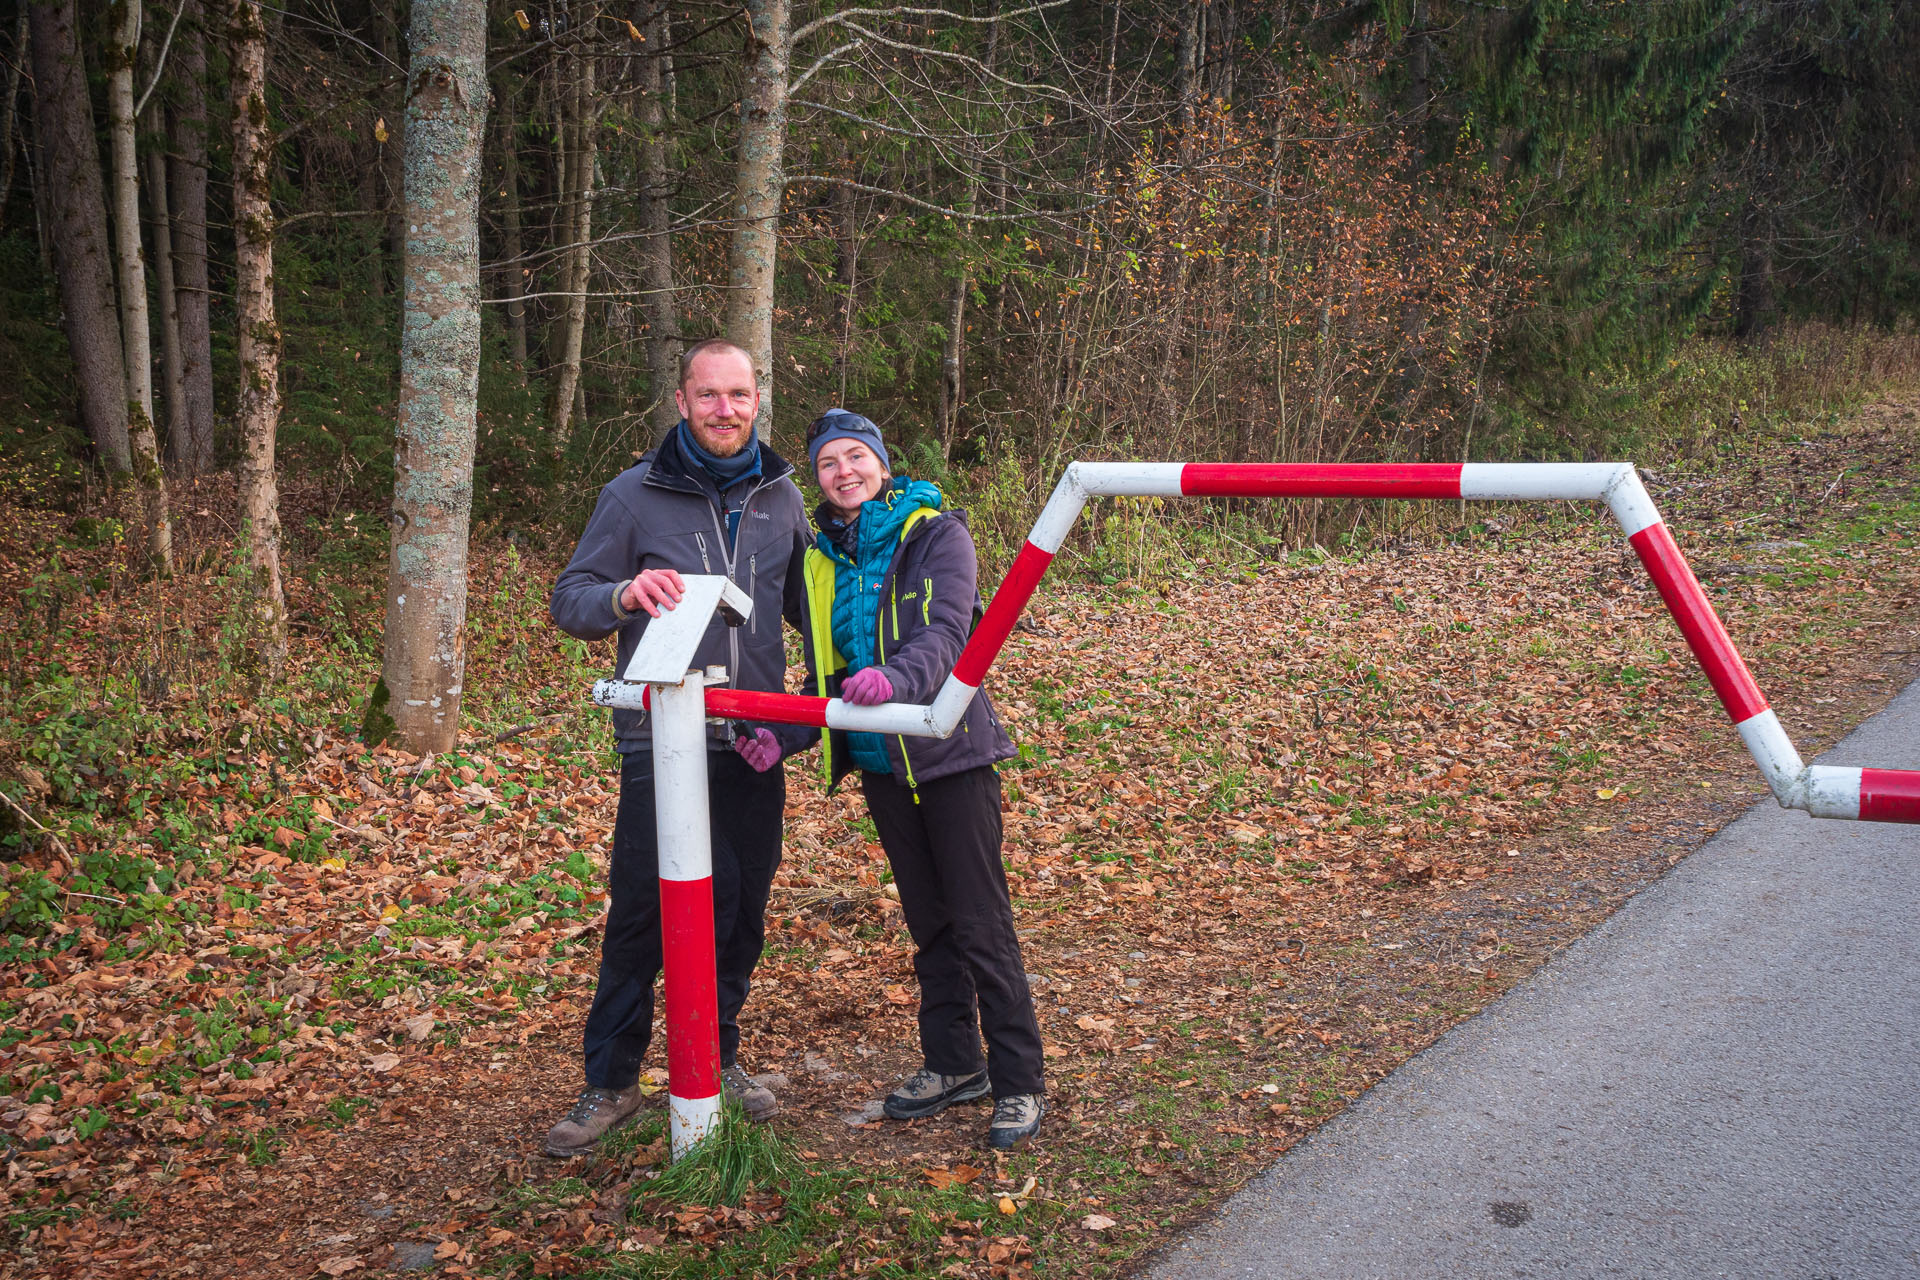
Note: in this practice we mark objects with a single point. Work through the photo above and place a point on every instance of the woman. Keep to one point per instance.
(891, 596)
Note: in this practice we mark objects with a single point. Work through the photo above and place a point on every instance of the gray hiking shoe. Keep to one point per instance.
(596, 1113)
(755, 1099)
(926, 1092)
(1016, 1118)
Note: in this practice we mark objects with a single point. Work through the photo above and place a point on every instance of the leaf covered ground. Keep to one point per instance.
(277, 1004)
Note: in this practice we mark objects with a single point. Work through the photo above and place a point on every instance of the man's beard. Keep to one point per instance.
(724, 448)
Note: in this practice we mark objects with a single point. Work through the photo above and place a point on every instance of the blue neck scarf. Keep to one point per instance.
(726, 472)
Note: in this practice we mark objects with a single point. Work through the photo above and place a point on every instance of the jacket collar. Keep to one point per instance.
(672, 469)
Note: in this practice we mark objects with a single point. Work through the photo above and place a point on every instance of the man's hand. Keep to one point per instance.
(867, 687)
(762, 750)
(653, 590)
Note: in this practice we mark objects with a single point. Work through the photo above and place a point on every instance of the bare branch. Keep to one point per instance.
(904, 11)
(160, 62)
(796, 178)
(822, 61)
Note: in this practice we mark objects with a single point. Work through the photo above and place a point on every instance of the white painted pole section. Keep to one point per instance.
(1779, 763)
(887, 717)
(679, 723)
(1062, 509)
(1128, 479)
(618, 693)
(1533, 481)
(690, 1120)
(1632, 505)
(1832, 791)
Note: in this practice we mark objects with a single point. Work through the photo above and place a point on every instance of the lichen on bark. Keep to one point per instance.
(424, 657)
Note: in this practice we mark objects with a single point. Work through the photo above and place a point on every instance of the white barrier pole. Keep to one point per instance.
(686, 909)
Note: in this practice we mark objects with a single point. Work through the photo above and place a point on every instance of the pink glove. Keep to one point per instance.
(762, 750)
(867, 687)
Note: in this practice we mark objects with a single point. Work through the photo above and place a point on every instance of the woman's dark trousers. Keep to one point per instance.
(945, 854)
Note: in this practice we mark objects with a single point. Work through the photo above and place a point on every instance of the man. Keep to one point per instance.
(711, 499)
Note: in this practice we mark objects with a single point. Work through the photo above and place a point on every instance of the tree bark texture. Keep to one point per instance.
(16, 62)
(187, 194)
(846, 279)
(656, 212)
(136, 340)
(582, 121)
(759, 191)
(257, 413)
(172, 373)
(439, 377)
(70, 173)
(513, 244)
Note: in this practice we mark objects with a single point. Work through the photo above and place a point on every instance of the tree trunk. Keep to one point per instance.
(70, 173)
(578, 263)
(187, 190)
(418, 698)
(846, 278)
(386, 31)
(759, 191)
(257, 414)
(172, 374)
(1754, 303)
(656, 215)
(512, 272)
(15, 64)
(135, 340)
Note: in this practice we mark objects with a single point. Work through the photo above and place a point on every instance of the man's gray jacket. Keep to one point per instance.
(665, 513)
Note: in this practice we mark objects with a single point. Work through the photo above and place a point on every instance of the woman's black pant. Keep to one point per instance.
(945, 854)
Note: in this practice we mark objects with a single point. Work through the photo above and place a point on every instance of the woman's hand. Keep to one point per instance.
(653, 590)
(867, 687)
(762, 750)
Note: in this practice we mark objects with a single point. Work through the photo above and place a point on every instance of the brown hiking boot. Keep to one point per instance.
(596, 1113)
(755, 1099)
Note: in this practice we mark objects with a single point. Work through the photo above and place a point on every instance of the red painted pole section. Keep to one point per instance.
(692, 997)
(1698, 623)
(778, 708)
(1015, 590)
(1313, 480)
(1890, 795)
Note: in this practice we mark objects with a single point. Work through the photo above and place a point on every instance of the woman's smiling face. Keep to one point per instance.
(849, 474)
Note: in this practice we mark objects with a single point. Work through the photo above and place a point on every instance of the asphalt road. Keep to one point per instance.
(1719, 1081)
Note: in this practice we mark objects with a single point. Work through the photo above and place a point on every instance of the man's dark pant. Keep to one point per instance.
(945, 854)
(745, 812)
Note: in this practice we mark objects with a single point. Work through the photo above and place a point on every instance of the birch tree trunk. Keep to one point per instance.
(187, 192)
(656, 248)
(417, 700)
(135, 340)
(70, 176)
(257, 415)
(759, 191)
(172, 371)
(578, 167)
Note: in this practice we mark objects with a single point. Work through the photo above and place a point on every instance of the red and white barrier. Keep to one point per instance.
(681, 705)
(1872, 795)
(686, 910)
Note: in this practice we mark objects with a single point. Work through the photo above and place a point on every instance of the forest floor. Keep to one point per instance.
(275, 1004)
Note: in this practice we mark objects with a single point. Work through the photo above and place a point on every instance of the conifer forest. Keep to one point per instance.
(323, 323)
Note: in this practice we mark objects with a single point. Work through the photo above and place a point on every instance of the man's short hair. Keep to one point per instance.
(699, 349)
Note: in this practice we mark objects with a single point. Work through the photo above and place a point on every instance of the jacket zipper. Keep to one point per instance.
(720, 527)
(880, 634)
